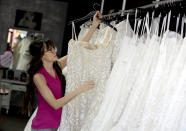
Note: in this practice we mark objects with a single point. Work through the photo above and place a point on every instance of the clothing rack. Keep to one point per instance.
(157, 3)
(166, 1)
(154, 4)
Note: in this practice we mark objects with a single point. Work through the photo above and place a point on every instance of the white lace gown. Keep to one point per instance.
(85, 62)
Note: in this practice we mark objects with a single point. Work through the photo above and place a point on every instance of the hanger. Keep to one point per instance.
(89, 15)
(96, 6)
(107, 23)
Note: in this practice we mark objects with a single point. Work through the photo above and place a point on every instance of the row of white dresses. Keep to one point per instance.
(143, 91)
(146, 88)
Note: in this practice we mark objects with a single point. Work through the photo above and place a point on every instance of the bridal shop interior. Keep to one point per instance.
(135, 57)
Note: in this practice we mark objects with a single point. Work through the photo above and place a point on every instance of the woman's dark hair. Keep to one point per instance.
(36, 49)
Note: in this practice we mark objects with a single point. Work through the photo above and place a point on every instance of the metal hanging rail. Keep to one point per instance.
(155, 3)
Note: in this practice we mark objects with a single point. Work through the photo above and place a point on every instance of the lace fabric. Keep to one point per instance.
(85, 64)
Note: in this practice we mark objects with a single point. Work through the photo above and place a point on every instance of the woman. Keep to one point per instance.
(45, 74)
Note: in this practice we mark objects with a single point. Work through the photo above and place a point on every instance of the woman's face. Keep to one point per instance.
(50, 55)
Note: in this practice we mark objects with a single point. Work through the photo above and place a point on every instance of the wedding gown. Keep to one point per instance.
(114, 88)
(124, 29)
(107, 110)
(86, 62)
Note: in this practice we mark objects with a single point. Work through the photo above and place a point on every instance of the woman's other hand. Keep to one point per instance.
(88, 85)
(97, 19)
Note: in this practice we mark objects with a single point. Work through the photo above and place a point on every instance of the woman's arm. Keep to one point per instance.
(62, 61)
(42, 87)
(95, 24)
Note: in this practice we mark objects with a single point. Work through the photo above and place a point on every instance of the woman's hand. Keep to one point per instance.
(97, 19)
(88, 85)
(96, 22)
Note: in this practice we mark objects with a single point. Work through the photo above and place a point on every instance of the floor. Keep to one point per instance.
(13, 121)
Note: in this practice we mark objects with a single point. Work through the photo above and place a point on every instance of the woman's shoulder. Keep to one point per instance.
(39, 73)
(38, 77)
(39, 80)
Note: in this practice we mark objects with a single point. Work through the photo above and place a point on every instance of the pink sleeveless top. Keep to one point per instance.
(46, 116)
